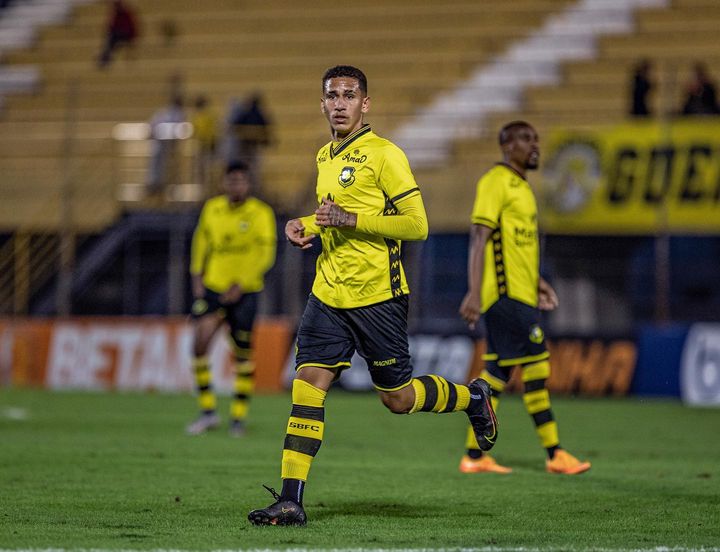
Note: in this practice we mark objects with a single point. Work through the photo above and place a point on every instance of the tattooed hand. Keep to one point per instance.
(331, 214)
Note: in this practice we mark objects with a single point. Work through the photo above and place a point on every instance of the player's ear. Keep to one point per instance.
(322, 107)
(365, 104)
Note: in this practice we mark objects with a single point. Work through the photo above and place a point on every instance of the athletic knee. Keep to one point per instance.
(397, 403)
(201, 343)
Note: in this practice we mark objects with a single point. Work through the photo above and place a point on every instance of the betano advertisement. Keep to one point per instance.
(635, 178)
(141, 354)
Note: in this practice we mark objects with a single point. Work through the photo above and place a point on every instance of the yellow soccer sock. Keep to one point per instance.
(304, 430)
(203, 383)
(436, 394)
(537, 403)
(243, 390)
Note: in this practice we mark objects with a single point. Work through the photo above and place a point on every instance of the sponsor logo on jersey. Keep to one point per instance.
(355, 157)
(305, 426)
(347, 176)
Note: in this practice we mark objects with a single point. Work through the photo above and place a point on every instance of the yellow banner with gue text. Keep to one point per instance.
(635, 178)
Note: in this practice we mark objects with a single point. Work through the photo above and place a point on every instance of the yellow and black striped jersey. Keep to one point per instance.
(234, 244)
(370, 176)
(505, 202)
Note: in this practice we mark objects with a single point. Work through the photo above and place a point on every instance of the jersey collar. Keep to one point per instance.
(511, 169)
(349, 139)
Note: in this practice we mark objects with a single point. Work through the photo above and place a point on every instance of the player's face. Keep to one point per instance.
(524, 149)
(237, 186)
(344, 105)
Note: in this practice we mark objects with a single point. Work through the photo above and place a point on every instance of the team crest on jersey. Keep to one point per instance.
(244, 226)
(536, 334)
(347, 176)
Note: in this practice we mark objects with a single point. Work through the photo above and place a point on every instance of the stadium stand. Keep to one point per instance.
(591, 93)
(280, 47)
(61, 167)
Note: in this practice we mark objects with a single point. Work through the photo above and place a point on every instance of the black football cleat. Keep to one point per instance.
(481, 414)
(281, 512)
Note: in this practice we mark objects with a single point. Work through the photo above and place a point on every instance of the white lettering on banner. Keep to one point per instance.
(448, 357)
(700, 366)
(77, 360)
(131, 357)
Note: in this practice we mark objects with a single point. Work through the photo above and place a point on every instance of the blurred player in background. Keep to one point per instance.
(369, 201)
(232, 248)
(505, 286)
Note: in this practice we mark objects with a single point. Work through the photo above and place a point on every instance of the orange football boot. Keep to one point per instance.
(566, 463)
(484, 464)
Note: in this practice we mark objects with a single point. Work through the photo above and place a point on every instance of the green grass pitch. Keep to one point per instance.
(115, 472)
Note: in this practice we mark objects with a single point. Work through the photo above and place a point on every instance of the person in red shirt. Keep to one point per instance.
(122, 30)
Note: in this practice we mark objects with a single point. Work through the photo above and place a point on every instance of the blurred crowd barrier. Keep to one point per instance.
(127, 354)
(153, 354)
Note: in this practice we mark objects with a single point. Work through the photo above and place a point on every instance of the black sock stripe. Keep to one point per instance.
(241, 397)
(431, 392)
(452, 397)
(541, 418)
(534, 385)
(306, 445)
(203, 388)
(308, 412)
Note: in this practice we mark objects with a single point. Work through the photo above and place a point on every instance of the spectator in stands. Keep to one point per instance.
(122, 30)
(249, 132)
(701, 96)
(164, 135)
(642, 85)
(204, 121)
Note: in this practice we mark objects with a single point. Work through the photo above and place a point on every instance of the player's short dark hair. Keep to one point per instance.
(237, 166)
(346, 71)
(507, 133)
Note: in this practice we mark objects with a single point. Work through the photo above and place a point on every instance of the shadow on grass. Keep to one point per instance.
(379, 510)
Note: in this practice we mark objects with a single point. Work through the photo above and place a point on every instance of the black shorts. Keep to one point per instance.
(514, 337)
(240, 315)
(328, 337)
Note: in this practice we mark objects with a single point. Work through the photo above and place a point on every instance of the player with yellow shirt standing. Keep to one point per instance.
(368, 202)
(505, 286)
(232, 248)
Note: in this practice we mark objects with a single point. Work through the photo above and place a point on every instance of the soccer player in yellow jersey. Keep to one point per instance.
(232, 248)
(505, 286)
(368, 202)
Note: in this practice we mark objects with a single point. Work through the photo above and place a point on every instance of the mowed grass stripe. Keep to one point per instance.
(86, 471)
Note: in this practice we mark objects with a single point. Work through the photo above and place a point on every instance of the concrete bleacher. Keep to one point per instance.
(62, 133)
(591, 94)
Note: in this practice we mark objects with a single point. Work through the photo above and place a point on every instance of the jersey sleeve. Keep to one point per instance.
(200, 244)
(489, 201)
(409, 224)
(310, 225)
(395, 178)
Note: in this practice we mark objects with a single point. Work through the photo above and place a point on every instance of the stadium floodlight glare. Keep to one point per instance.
(173, 131)
(131, 131)
(142, 131)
